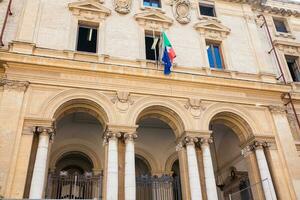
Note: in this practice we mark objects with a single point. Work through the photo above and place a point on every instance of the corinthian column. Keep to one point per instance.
(193, 171)
(211, 189)
(264, 171)
(130, 185)
(112, 166)
(39, 171)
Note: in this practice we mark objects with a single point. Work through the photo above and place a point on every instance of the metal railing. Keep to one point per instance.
(246, 193)
(158, 188)
(75, 186)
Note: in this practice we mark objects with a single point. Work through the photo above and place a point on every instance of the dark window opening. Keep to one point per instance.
(87, 39)
(207, 10)
(214, 55)
(293, 68)
(152, 3)
(280, 26)
(152, 50)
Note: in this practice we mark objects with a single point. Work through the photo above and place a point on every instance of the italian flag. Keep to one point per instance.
(168, 54)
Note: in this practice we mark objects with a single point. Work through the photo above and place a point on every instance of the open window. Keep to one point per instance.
(292, 63)
(152, 46)
(214, 54)
(207, 10)
(152, 3)
(87, 38)
(280, 25)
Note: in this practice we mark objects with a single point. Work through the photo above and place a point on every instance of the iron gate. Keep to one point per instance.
(75, 186)
(158, 188)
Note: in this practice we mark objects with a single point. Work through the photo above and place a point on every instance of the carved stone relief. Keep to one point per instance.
(90, 10)
(122, 100)
(122, 6)
(181, 11)
(194, 106)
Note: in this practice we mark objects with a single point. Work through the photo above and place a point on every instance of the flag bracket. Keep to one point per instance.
(279, 77)
(271, 50)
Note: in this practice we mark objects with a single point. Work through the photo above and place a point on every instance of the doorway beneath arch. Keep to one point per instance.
(230, 166)
(157, 143)
(75, 170)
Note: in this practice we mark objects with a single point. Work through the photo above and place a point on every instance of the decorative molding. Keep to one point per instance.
(181, 11)
(263, 6)
(122, 100)
(290, 48)
(14, 84)
(194, 106)
(277, 109)
(153, 20)
(212, 29)
(89, 10)
(122, 6)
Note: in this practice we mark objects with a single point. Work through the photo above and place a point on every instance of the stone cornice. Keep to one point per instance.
(90, 10)
(212, 29)
(153, 20)
(24, 60)
(290, 48)
(265, 6)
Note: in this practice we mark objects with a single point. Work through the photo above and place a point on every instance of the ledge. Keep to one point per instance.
(29, 54)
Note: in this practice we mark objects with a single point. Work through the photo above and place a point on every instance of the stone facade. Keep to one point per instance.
(44, 79)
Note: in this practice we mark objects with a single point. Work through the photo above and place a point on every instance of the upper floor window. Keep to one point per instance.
(214, 54)
(87, 39)
(280, 25)
(152, 3)
(152, 46)
(208, 10)
(293, 67)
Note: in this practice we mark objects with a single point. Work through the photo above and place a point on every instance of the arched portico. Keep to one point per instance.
(233, 129)
(80, 118)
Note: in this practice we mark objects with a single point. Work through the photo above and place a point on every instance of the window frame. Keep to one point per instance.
(146, 6)
(296, 59)
(285, 24)
(87, 25)
(150, 34)
(219, 44)
(207, 4)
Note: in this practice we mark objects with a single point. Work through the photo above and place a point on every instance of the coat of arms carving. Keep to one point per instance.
(122, 6)
(181, 10)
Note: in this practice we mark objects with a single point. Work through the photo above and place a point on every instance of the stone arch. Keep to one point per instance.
(170, 161)
(91, 100)
(167, 110)
(60, 152)
(149, 158)
(235, 117)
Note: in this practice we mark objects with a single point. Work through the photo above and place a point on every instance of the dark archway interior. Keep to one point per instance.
(141, 167)
(74, 162)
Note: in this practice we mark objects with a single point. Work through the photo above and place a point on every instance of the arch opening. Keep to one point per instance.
(164, 114)
(230, 131)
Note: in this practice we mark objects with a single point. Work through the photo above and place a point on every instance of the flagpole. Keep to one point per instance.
(156, 60)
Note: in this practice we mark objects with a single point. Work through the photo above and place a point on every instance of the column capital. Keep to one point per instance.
(277, 109)
(262, 141)
(112, 135)
(129, 136)
(206, 140)
(44, 130)
(14, 84)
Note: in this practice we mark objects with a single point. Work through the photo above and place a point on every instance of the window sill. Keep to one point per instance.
(285, 35)
(153, 8)
(205, 17)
